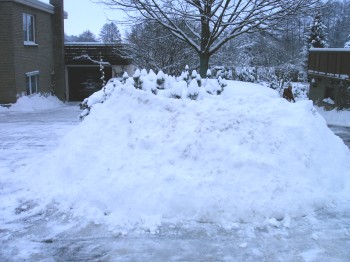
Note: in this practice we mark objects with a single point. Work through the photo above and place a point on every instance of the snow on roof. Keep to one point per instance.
(329, 49)
(87, 43)
(36, 4)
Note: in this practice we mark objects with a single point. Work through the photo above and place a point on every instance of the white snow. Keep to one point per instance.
(34, 102)
(141, 160)
(334, 117)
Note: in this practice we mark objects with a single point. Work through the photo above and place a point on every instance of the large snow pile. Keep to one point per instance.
(142, 160)
(35, 102)
(334, 117)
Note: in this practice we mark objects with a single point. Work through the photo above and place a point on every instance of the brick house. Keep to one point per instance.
(32, 49)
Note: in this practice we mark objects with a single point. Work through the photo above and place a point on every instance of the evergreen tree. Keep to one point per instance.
(347, 44)
(86, 36)
(316, 37)
(110, 33)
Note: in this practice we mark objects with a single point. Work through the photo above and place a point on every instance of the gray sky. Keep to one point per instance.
(85, 15)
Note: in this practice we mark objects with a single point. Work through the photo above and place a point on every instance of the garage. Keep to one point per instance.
(84, 62)
(85, 80)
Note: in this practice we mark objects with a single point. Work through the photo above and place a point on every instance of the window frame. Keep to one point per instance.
(28, 21)
(32, 77)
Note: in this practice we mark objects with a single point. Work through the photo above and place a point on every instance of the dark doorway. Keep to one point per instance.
(83, 81)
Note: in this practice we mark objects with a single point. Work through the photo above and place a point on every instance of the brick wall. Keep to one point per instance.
(17, 59)
(58, 49)
(30, 58)
(7, 68)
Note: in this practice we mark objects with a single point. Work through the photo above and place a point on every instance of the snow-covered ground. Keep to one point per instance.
(334, 117)
(245, 176)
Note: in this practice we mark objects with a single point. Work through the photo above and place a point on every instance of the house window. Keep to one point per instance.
(28, 29)
(32, 82)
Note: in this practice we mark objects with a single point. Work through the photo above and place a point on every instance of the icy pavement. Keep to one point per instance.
(52, 236)
(343, 132)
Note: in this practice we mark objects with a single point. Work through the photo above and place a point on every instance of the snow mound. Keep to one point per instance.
(334, 117)
(36, 102)
(140, 159)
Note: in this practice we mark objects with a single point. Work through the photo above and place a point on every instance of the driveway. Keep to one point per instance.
(343, 133)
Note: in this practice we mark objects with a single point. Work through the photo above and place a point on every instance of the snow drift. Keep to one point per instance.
(141, 159)
(36, 102)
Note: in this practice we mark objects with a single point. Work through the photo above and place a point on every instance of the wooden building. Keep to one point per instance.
(83, 67)
(329, 74)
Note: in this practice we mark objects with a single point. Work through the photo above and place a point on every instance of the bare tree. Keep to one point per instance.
(212, 23)
(110, 33)
(154, 47)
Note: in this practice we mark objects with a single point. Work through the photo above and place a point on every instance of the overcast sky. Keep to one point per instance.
(85, 15)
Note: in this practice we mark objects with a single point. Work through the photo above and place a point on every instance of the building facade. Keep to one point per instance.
(84, 62)
(329, 74)
(32, 49)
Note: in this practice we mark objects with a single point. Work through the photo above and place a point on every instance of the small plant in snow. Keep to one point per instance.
(151, 76)
(199, 80)
(186, 75)
(125, 77)
(144, 72)
(208, 73)
(137, 80)
(193, 90)
(160, 80)
(212, 87)
(177, 90)
(223, 84)
(194, 74)
(246, 74)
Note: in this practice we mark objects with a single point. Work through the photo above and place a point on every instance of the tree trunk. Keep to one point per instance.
(204, 54)
(203, 64)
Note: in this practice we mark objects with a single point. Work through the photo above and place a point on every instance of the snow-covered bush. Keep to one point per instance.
(222, 84)
(287, 72)
(178, 89)
(300, 91)
(98, 97)
(185, 75)
(199, 80)
(125, 77)
(193, 89)
(208, 73)
(224, 72)
(159, 84)
(137, 75)
(246, 74)
(213, 87)
(160, 80)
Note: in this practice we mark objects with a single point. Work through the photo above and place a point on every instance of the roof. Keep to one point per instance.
(34, 4)
(90, 53)
(329, 49)
(37, 5)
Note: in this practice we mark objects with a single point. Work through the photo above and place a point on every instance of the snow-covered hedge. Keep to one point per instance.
(186, 86)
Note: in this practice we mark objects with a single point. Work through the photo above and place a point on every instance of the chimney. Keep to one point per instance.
(58, 73)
